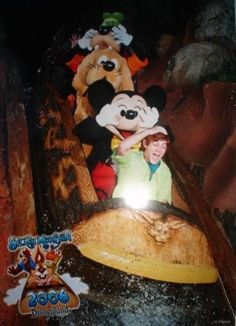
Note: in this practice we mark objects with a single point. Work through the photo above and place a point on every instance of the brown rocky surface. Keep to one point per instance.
(203, 123)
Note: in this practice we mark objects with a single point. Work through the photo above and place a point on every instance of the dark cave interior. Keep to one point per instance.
(28, 27)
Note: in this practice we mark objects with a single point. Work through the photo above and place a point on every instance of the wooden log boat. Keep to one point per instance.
(113, 242)
(65, 198)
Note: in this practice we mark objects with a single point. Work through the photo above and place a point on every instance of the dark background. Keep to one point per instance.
(30, 25)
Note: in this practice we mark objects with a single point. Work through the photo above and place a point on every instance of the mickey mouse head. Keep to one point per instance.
(128, 110)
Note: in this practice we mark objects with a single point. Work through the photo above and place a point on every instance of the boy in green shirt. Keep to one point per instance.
(143, 172)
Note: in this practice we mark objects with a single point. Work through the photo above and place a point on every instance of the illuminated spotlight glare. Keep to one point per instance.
(136, 197)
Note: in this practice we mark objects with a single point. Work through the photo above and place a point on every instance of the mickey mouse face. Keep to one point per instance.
(130, 109)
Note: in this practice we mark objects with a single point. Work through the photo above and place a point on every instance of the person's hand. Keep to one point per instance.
(149, 117)
(85, 41)
(74, 40)
(120, 34)
(108, 115)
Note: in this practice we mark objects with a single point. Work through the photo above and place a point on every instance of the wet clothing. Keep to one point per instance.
(133, 171)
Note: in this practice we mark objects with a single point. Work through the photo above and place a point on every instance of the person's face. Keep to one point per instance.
(155, 150)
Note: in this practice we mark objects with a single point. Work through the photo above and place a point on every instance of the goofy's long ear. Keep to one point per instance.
(100, 93)
(126, 77)
(79, 80)
(155, 96)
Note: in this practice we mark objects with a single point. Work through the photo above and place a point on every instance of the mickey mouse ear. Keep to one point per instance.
(100, 93)
(155, 96)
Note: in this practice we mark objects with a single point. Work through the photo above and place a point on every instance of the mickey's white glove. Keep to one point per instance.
(108, 115)
(154, 130)
(120, 34)
(150, 117)
(85, 41)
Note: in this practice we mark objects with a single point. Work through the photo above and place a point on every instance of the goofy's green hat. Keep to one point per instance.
(110, 20)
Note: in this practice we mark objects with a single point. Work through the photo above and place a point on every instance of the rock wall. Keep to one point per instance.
(208, 137)
(198, 73)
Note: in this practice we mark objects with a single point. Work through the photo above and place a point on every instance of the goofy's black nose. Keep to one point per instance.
(130, 114)
(108, 65)
(104, 30)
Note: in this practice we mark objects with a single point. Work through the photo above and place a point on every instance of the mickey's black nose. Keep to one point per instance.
(130, 114)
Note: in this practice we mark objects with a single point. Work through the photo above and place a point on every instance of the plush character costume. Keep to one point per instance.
(110, 34)
(117, 117)
(113, 55)
(99, 64)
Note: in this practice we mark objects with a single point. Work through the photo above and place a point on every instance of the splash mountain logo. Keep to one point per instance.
(43, 292)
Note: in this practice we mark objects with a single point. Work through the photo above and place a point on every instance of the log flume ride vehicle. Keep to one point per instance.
(147, 260)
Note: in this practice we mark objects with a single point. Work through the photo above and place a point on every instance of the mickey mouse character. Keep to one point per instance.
(118, 115)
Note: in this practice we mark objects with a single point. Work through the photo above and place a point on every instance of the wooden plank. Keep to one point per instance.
(63, 183)
(16, 191)
(86, 189)
(19, 171)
